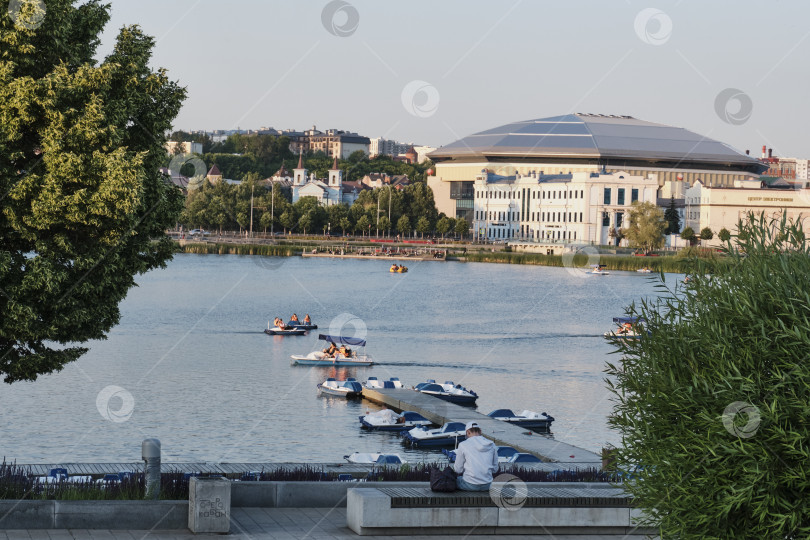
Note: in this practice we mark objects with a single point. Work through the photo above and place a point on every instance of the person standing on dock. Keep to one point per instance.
(476, 460)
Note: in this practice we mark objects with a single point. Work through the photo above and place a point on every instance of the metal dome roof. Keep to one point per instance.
(593, 136)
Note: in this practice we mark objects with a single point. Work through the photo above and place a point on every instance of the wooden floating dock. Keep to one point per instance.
(502, 433)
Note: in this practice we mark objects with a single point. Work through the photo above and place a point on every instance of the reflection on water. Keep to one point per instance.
(212, 386)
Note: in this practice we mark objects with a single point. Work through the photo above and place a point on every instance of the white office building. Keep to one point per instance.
(562, 208)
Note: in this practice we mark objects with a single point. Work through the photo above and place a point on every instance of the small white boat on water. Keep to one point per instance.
(526, 419)
(450, 434)
(454, 393)
(344, 357)
(599, 269)
(375, 458)
(644, 270)
(374, 382)
(388, 420)
(346, 389)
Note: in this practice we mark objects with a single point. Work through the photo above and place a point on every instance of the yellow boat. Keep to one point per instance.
(398, 269)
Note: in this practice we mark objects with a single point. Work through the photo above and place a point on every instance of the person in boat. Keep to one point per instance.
(307, 320)
(294, 318)
(330, 350)
(476, 460)
(394, 267)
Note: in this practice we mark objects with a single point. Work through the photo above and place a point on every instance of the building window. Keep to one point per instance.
(605, 218)
(633, 196)
(580, 217)
(620, 196)
(619, 219)
(607, 195)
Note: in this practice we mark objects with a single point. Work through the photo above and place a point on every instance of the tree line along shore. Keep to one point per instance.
(674, 263)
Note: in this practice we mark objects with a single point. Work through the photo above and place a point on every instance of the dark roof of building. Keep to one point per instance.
(594, 136)
(351, 185)
(214, 171)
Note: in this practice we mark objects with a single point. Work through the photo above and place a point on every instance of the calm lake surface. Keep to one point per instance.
(206, 381)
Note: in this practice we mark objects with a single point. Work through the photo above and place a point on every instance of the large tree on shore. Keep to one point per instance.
(711, 403)
(83, 206)
(646, 226)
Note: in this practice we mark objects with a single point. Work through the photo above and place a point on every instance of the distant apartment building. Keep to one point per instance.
(185, 147)
(332, 142)
(387, 147)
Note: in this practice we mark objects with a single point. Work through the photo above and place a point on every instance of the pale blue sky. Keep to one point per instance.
(253, 63)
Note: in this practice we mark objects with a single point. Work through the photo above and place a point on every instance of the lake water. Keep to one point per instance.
(196, 371)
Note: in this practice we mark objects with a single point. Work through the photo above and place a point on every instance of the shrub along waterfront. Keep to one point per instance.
(711, 403)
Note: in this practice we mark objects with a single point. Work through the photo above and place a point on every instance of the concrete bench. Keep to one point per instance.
(537, 509)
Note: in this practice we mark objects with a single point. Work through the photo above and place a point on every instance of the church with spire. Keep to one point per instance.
(327, 191)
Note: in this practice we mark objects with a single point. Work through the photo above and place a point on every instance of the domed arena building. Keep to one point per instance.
(573, 177)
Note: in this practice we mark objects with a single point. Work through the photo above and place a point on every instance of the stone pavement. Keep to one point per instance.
(263, 523)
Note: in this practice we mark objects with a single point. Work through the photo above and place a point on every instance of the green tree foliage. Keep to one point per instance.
(423, 226)
(672, 218)
(443, 225)
(404, 226)
(711, 403)
(724, 235)
(462, 227)
(84, 206)
(345, 224)
(362, 225)
(385, 224)
(646, 226)
(688, 234)
(706, 233)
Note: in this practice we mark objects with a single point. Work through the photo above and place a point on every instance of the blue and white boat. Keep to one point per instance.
(526, 419)
(345, 389)
(626, 328)
(388, 420)
(374, 382)
(454, 393)
(320, 358)
(504, 453)
(375, 458)
(450, 434)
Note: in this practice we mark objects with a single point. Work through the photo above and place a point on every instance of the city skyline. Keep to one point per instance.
(432, 76)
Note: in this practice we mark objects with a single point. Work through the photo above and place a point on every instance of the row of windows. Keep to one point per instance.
(564, 217)
(562, 194)
(496, 216)
(620, 200)
(558, 194)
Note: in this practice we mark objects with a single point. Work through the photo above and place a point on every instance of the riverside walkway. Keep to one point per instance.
(439, 411)
(266, 523)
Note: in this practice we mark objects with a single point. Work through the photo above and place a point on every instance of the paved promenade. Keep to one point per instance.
(265, 523)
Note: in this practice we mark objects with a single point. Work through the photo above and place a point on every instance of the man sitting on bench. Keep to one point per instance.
(476, 460)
